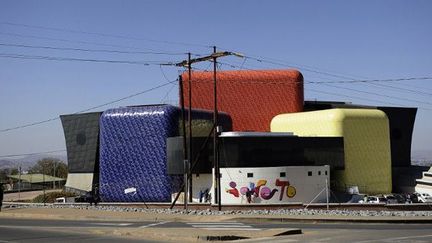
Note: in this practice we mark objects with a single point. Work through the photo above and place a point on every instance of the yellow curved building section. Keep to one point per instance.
(366, 143)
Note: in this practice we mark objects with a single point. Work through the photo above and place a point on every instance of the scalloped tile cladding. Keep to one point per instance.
(251, 97)
(133, 151)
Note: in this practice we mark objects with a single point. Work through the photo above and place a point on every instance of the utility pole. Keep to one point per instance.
(188, 63)
(215, 134)
(185, 151)
(190, 130)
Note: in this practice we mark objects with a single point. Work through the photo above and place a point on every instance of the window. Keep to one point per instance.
(319, 172)
(309, 173)
(325, 172)
(249, 175)
(282, 174)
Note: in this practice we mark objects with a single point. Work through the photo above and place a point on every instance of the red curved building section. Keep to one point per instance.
(251, 97)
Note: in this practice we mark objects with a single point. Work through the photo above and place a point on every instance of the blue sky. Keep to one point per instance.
(346, 39)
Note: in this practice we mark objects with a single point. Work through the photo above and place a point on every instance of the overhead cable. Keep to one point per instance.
(418, 92)
(89, 109)
(348, 81)
(90, 50)
(75, 41)
(377, 94)
(350, 96)
(53, 58)
(105, 35)
(370, 80)
(360, 91)
(343, 76)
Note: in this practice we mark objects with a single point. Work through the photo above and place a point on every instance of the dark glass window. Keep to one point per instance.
(325, 172)
(282, 174)
(309, 173)
(319, 172)
(249, 175)
(281, 151)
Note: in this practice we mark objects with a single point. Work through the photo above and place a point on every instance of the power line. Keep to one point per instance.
(340, 76)
(360, 91)
(355, 97)
(291, 64)
(401, 89)
(416, 87)
(164, 99)
(377, 94)
(365, 81)
(352, 80)
(295, 66)
(90, 50)
(105, 35)
(74, 41)
(349, 81)
(370, 80)
(88, 109)
(53, 58)
(86, 42)
(36, 153)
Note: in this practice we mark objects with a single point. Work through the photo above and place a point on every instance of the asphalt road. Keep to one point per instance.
(26, 234)
(33, 230)
(353, 232)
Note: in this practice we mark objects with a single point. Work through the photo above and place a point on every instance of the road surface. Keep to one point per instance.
(34, 230)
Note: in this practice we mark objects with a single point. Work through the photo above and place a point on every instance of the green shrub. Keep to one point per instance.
(51, 196)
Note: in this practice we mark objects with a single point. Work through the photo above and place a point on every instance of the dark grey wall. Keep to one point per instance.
(82, 141)
(401, 128)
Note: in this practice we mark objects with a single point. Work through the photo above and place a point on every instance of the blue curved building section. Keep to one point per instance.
(133, 159)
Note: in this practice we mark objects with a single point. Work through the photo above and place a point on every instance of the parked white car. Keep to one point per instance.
(373, 199)
(424, 197)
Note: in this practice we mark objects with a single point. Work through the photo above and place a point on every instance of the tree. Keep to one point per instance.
(14, 171)
(4, 174)
(48, 165)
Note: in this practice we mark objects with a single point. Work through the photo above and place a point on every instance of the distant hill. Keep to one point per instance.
(6, 164)
(421, 157)
(29, 161)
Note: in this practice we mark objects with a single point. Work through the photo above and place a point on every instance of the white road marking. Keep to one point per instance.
(248, 229)
(221, 226)
(216, 223)
(151, 225)
(112, 224)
